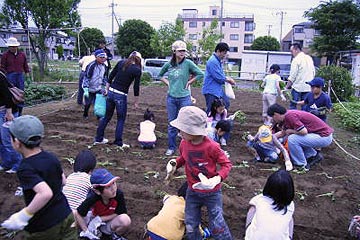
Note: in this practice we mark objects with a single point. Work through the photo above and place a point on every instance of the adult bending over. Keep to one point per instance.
(178, 81)
(305, 133)
(117, 88)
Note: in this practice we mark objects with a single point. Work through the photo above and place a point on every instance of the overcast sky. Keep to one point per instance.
(95, 13)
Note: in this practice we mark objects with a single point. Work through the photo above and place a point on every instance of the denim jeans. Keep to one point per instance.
(118, 102)
(10, 158)
(17, 79)
(213, 202)
(209, 99)
(263, 151)
(80, 89)
(297, 96)
(302, 147)
(173, 106)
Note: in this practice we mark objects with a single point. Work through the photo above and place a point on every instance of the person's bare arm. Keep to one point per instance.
(43, 194)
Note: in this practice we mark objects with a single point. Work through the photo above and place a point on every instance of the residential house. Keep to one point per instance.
(238, 29)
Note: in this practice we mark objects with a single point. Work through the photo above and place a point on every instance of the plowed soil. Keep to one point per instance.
(317, 215)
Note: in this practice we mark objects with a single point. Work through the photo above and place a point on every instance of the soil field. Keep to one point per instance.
(317, 215)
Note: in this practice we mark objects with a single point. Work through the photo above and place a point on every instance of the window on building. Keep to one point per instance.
(192, 24)
(204, 24)
(234, 24)
(247, 47)
(234, 36)
(248, 38)
(249, 26)
(299, 30)
(24, 38)
(223, 24)
(317, 32)
(214, 12)
(193, 36)
(233, 49)
(3, 36)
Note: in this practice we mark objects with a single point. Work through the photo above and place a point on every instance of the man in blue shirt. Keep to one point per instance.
(215, 77)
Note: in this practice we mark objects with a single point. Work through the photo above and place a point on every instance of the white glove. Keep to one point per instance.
(288, 165)
(17, 221)
(283, 98)
(94, 224)
(226, 154)
(88, 235)
(207, 183)
(231, 117)
(170, 168)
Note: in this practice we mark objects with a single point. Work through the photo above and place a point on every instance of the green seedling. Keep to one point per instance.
(244, 135)
(300, 172)
(55, 136)
(301, 195)
(273, 169)
(257, 191)
(180, 177)
(155, 174)
(118, 148)
(160, 134)
(244, 164)
(240, 116)
(108, 150)
(69, 140)
(160, 193)
(70, 160)
(139, 154)
(228, 186)
(106, 163)
(328, 194)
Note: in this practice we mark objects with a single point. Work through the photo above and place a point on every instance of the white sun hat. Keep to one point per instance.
(12, 42)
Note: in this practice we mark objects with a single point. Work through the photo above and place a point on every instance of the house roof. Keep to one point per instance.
(304, 24)
(2, 43)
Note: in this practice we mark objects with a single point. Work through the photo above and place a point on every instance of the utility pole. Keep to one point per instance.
(281, 13)
(269, 28)
(221, 18)
(112, 5)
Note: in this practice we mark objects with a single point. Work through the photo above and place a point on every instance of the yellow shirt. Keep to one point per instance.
(169, 223)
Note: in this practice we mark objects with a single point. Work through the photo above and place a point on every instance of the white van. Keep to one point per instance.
(153, 66)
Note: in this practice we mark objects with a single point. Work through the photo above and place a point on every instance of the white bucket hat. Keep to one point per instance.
(12, 42)
(178, 45)
(191, 120)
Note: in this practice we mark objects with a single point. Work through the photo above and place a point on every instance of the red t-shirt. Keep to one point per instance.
(297, 120)
(203, 158)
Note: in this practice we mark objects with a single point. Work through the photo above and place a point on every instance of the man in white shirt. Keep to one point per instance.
(302, 70)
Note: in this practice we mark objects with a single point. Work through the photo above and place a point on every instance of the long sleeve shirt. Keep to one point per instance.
(302, 70)
(11, 62)
(214, 77)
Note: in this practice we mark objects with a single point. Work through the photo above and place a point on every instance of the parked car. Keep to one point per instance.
(153, 66)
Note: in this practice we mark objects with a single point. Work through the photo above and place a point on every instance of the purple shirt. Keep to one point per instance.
(297, 120)
(14, 63)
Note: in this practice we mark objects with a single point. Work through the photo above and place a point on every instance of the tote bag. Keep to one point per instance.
(100, 105)
(229, 92)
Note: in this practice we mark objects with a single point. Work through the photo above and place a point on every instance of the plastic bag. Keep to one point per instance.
(100, 105)
(229, 92)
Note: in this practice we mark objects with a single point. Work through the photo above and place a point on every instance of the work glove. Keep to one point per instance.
(288, 165)
(232, 117)
(17, 221)
(283, 98)
(88, 235)
(207, 183)
(86, 92)
(226, 154)
(94, 224)
(170, 169)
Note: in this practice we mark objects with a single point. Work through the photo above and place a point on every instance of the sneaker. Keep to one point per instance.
(125, 145)
(11, 171)
(222, 141)
(169, 152)
(316, 159)
(114, 236)
(104, 141)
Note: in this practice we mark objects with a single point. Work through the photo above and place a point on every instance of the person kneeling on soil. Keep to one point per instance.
(108, 213)
(274, 205)
(266, 147)
(305, 133)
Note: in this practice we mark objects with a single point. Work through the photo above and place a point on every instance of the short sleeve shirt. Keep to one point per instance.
(76, 188)
(314, 103)
(43, 167)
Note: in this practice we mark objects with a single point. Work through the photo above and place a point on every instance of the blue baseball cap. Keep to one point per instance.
(100, 53)
(318, 81)
(102, 177)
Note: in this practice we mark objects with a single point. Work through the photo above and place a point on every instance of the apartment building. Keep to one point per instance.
(238, 29)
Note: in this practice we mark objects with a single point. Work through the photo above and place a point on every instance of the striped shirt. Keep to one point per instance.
(76, 188)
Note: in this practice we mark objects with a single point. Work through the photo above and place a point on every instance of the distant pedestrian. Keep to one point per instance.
(178, 81)
(117, 88)
(215, 77)
(302, 70)
(14, 63)
(94, 80)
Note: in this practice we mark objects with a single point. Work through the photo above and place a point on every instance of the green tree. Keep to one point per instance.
(89, 40)
(338, 22)
(209, 38)
(135, 35)
(266, 43)
(163, 38)
(60, 50)
(46, 15)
